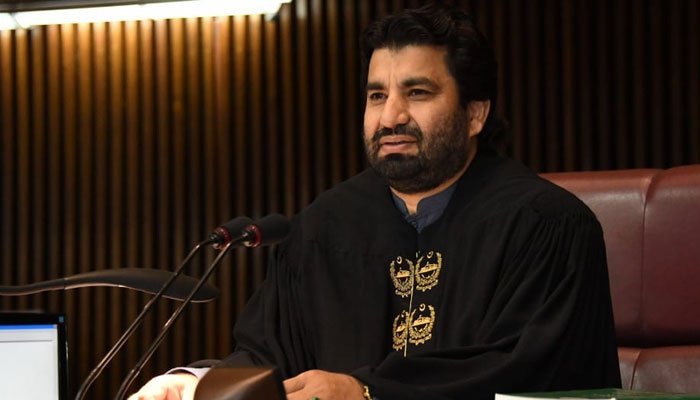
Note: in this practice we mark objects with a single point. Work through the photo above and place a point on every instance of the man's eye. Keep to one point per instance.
(376, 96)
(418, 92)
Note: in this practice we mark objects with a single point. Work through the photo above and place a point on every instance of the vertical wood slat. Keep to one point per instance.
(350, 89)
(192, 153)
(655, 13)
(640, 92)
(163, 182)
(272, 98)
(303, 76)
(318, 141)
(69, 181)
(516, 102)
(332, 127)
(102, 237)
(24, 174)
(622, 25)
(148, 187)
(568, 88)
(123, 143)
(257, 163)
(551, 142)
(241, 138)
(535, 68)
(222, 64)
(209, 201)
(39, 151)
(675, 79)
(272, 152)
(55, 228)
(596, 149)
(177, 159)
(692, 89)
(115, 188)
(84, 161)
(7, 163)
(288, 77)
(131, 173)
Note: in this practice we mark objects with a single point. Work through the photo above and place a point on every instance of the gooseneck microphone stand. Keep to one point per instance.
(176, 314)
(220, 236)
(137, 322)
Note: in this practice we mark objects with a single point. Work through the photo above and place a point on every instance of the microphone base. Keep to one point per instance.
(235, 383)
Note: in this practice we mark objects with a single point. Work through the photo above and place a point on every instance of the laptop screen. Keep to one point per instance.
(33, 364)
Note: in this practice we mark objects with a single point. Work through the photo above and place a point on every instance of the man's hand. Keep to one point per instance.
(168, 387)
(323, 385)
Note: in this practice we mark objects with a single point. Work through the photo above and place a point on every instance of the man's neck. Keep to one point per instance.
(412, 199)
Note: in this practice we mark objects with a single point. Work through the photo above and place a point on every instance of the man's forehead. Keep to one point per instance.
(408, 63)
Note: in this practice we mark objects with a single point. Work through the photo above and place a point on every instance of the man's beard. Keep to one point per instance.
(441, 155)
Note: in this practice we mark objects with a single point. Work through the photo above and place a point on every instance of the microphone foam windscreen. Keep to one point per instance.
(236, 225)
(273, 229)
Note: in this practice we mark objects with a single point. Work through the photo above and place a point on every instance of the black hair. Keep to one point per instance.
(470, 58)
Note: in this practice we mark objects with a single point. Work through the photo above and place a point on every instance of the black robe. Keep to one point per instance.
(506, 292)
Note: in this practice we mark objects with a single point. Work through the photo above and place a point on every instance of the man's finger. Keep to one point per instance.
(188, 392)
(295, 384)
(300, 395)
(149, 392)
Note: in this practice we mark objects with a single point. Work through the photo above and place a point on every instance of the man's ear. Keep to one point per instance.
(477, 111)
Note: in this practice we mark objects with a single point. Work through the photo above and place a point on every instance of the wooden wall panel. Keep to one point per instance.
(124, 143)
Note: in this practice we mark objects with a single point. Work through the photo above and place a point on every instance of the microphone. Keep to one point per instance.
(219, 236)
(268, 230)
(223, 234)
(141, 279)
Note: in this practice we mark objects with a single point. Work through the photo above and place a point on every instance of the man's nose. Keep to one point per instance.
(394, 113)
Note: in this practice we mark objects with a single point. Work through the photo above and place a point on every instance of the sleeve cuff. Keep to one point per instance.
(198, 372)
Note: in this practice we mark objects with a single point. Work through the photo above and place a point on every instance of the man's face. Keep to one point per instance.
(416, 134)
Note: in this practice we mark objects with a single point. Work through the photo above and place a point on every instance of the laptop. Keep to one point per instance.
(33, 356)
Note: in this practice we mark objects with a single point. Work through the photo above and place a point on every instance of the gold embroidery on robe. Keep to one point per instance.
(428, 270)
(422, 323)
(402, 271)
(415, 327)
(401, 329)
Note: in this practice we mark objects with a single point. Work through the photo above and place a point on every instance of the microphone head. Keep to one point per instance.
(222, 235)
(268, 230)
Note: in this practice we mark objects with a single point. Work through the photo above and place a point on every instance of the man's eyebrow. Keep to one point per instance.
(373, 86)
(408, 82)
(419, 81)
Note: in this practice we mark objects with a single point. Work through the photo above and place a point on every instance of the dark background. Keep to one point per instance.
(124, 143)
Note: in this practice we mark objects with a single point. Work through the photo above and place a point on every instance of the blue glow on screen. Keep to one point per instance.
(26, 327)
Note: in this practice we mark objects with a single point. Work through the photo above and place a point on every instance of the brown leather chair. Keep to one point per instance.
(651, 223)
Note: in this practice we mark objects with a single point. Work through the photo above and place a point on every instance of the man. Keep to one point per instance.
(444, 270)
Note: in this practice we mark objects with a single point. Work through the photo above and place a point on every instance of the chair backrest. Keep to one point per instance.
(651, 223)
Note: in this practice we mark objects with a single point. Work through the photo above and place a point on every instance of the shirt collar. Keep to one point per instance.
(428, 210)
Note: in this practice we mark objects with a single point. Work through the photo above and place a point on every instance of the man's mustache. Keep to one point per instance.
(407, 130)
